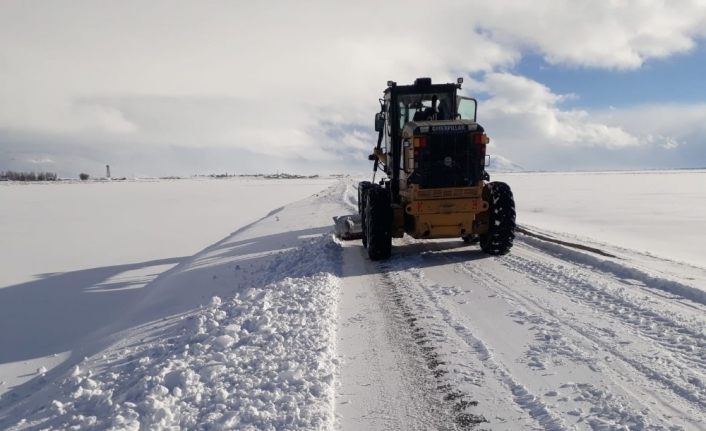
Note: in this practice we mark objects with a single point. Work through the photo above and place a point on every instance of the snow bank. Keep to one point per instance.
(262, 359)
(621, 270)
(78, 257)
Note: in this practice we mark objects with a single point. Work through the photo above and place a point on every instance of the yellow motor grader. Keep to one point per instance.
(433, 153)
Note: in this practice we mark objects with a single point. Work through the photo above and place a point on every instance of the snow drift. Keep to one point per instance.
(264, 357)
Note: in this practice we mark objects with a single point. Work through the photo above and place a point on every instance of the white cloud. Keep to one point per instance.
(270, 79)
(668, 125)
(527, 122)
(614, 34)
(526, 113)
(101, 118)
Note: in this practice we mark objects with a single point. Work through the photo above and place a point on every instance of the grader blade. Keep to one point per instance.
(348, 227)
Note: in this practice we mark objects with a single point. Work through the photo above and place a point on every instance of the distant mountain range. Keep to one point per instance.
(499, 163)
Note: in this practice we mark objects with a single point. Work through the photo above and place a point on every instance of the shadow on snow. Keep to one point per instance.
(85, 311)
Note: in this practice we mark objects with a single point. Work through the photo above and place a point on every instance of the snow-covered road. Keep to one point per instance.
(545, 338)
(303, 332)
(542, 339)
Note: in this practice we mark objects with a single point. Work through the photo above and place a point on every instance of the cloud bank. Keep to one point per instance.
(264, 85)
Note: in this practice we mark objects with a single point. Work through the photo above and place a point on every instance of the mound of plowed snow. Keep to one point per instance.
(259, 352)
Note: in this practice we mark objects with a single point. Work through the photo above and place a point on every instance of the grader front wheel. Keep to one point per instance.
(378, 223)
(363, 188)
(501, 214)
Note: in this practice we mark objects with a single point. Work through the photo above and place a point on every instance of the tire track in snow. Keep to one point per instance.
(544, 416)
(394, 388)
(605, 408)
(382, 383)
(555, 279)
(689, 343)
(686, 344)
(453, 403)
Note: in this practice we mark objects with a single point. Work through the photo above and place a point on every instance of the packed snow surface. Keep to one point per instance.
(282, 326)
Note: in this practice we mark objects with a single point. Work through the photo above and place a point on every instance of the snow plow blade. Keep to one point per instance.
(348, 227)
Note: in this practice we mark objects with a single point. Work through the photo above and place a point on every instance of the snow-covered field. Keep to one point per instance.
(658, 212)
(76, 256)
(281, 326)
(58, 227)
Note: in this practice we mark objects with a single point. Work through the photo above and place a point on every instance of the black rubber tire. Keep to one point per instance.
(501, 216)
(378, 216)
(363, 188)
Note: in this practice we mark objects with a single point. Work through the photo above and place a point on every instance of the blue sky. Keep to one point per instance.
(185, 87)
(679, 79)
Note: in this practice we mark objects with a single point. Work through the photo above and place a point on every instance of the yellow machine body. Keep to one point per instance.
(440, 213)
(433, 153)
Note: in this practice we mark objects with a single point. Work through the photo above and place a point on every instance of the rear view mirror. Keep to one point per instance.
(379, 122)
